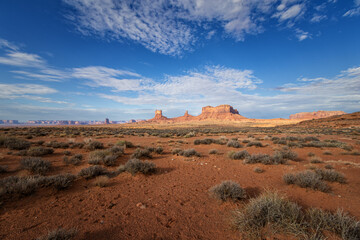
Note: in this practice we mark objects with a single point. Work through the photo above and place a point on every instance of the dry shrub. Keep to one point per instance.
(238, 155)
(59, 234)
(14, 143)
(93, 145)
(213, 151)
(39, 151)
(330, 175)
(101, 181)
(92, 171)
(141, 153)
(36, 165)
(234, 144)
(134, 166)
(75, 160)
(306, 179)
(228, 190)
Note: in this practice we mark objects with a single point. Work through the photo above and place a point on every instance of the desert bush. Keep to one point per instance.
(286, 154)
(75, 160)
(56, 144)
(315, 159)
(141, 153)
(77, 145)
(176, 151)
(109, 160)
(134, 166)
(190, 134)
(22, 186)
(311, 138)
(258, 158)
(234, 144)
(67, 153)
(39, 151)
(306, 179)
(258, 170)
(328, 166)
(340, 223)
(59, 234)
(213, 151)
(228, 190)
(125, 143)
(36, 165)
(117, 150)
(101, 181)
(311, 154)
(354, 153)
(93, 145)
(256, 144)
(238, 155)
(92, 171)
(268, 210)
(205, 141)
(330, 175)
(107, 157)
(189, 152)
(61, 181)
(14, 143)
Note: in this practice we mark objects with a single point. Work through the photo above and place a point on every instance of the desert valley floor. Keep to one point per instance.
(174, 202)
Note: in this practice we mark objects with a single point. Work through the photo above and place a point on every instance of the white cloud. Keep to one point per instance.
(8, 45)
(22, 59)
(119, 80)
(170, 27)
(302, 35)
(354, 11)
(318, 18)
(49, 75)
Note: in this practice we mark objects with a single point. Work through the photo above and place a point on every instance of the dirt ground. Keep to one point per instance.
(173, 203)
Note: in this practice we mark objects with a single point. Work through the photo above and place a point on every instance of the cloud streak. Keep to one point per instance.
(171, 27)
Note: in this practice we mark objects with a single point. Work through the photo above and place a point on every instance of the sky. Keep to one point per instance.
(122, 59)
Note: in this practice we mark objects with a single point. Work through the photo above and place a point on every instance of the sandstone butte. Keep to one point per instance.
(228, 113)
(315, 115)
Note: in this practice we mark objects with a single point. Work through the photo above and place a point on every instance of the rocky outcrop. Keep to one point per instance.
(222, 112)
(315, 115)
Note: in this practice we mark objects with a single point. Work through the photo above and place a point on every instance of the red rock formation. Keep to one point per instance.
(315, 115)
(222, 112)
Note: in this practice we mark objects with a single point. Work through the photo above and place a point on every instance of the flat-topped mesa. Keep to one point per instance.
(221, 112)
(158, 114)
(315, 115)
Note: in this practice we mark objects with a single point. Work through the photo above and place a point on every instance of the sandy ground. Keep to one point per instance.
(174, 203)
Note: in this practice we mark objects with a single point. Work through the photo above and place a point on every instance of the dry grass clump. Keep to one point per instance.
(93, 145)
(125, 143)
(176, 151)
(24, 186)
(255, 143)
(328, 166)
(228, 190)
(234, 144)
(101, 181)
(186, 153)
(274, 212)
(268, 210)
(59, 234)
(315, 159)
(327, 153)
(56, 144)
(134, 166)
(107, 157)
(141, 153)
(92, 171)
(306, 179)
(75, 160)
(238, 155)
(158, 150)
(330, 175)
(39, 151)
(14, 143)
(213, 151)
(36, 165)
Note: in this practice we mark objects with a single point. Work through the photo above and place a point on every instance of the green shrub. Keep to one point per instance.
(36, 165)
(134, 166)
(228, 190)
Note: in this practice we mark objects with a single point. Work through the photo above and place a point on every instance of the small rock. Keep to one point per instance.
(140, 205)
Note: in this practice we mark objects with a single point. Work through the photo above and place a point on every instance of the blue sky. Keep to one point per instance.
(89, 59)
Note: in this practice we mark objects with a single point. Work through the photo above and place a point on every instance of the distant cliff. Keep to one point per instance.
(315, 115)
